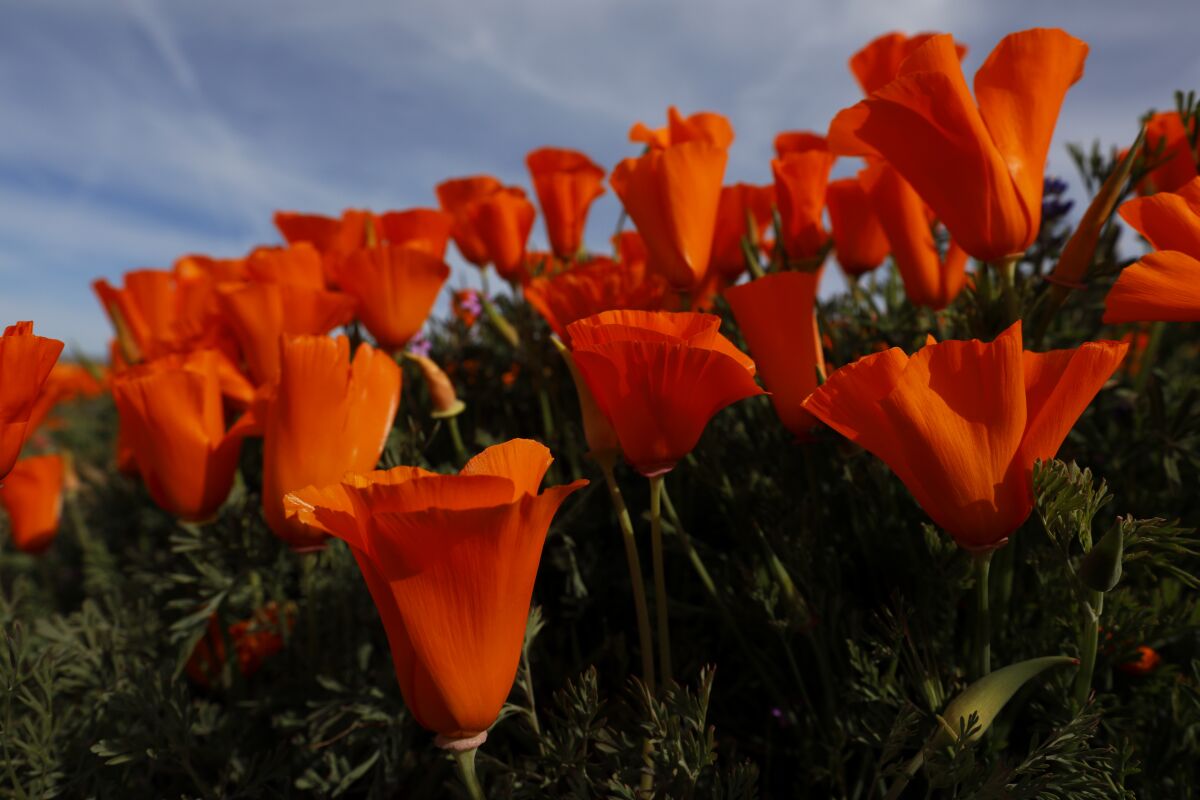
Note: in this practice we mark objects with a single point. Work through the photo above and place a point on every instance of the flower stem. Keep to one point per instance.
(502, 326)
(635, 577)
(460, 449)
(1008, 272)
(1088, 642)
(465, 761)
(983, 619)
(660, 579)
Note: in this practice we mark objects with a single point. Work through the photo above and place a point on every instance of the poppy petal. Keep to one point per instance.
(1163, 286)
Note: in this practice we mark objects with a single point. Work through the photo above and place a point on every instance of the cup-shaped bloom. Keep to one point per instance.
(979, 167)
(777, 315)
(32, 496)
(448, 553)
(930, 278)
(502, 221)
(1168, 144)
(396, 287)
(961, 423)
(1163, 285)
(743, 210)
(458, 197)
(152, 312)
(327, 416)
(298, 264)
(261, 312)
(801, 177)
(424, 229)
(333, 237)
(659, 377)
(858, 238)
(173, 420)
(598, 285)
(878, 64)
(25, 363)
(705, 126)
(672, 194)
(566, 182)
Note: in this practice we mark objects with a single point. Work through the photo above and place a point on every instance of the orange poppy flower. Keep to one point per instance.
(254, 641)
(148, 313)
(930, 279)
(741, 206)
(173, 419)
(424, 229)
(1162, 285)
(502, 221)
(396, 288)
(1169, 145)
(25, 364)
(1147, 661)
(801, 176)
(195, 266)
(659, 377)
(597, 285)
(704, 126)
(672, 194)
(261, 312)
(298, 264)
(458, 197)
(878, 64)
(777, 315)
(65, 382)
(961, 423)
(978, 167)
(327, 416)
(448, 553)
(333, 237)
(32, 496)
(858, 238)
(790, 142)
(566, 182)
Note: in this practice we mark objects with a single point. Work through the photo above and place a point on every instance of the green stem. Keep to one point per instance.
(1089, 640)
(502, 326)
(1008, 272)
(460, 449)
(636, 581)
(1002, 566)
(910, 769)
(465, 761)
(660, 579)
(983, 619)
(527, 685)
(547, 413)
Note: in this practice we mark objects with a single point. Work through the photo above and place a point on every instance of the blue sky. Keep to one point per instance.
(133, 131)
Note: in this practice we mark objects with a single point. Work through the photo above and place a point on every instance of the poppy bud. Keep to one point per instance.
(1100, 569)
(445, 402)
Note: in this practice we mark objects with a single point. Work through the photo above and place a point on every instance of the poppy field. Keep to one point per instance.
(656, 520)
